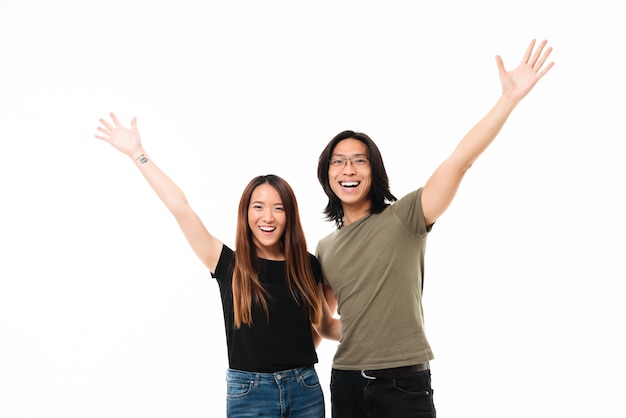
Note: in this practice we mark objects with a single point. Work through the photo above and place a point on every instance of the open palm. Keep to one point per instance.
(124, 139)
(517, 83)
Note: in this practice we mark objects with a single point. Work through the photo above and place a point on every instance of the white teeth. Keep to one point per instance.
(349, 184)
(267, 228)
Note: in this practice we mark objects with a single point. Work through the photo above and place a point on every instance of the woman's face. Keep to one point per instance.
(267, 221)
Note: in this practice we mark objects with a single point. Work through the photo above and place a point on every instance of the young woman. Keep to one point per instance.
(272, 298)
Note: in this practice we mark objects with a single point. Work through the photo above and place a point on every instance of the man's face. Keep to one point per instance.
(349, 172)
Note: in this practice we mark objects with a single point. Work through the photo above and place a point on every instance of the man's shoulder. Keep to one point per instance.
(326, 239)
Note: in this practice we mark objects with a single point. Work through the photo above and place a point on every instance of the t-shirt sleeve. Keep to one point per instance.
(317, 269)
(225, 263)
(409, 210)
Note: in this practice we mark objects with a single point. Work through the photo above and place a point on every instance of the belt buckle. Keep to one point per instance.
(367, 376)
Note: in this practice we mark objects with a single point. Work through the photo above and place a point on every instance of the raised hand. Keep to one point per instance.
(517, 83)
(123, 139)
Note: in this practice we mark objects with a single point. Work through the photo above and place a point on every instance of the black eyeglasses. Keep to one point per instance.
(340, 162)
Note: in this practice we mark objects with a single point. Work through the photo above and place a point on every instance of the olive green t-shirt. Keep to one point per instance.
(375, 267)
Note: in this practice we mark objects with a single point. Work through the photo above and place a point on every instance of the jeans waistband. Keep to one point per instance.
(273, 376)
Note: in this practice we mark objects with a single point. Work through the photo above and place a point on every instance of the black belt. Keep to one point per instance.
(396, 372)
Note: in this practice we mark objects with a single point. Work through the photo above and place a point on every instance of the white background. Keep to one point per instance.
(106, 312)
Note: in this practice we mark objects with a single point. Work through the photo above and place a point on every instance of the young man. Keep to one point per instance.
(374, 262)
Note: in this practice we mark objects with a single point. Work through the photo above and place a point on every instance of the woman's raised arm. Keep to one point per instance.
(127, 140)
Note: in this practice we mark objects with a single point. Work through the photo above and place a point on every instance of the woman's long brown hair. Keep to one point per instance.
(248, 291)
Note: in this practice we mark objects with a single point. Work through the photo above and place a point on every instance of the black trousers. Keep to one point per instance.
(355, 395)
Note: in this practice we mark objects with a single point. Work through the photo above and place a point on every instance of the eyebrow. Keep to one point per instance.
(353, 155)
(264, 203)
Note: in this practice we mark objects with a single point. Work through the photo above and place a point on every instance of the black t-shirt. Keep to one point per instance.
(284, 341)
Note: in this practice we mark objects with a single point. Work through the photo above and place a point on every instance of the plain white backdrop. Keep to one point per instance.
(106, 312)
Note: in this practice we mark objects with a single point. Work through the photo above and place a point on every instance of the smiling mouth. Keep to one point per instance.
(267, 228)
(349, 184)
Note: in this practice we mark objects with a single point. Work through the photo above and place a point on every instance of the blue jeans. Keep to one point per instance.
(353, 395)
(294, 393)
